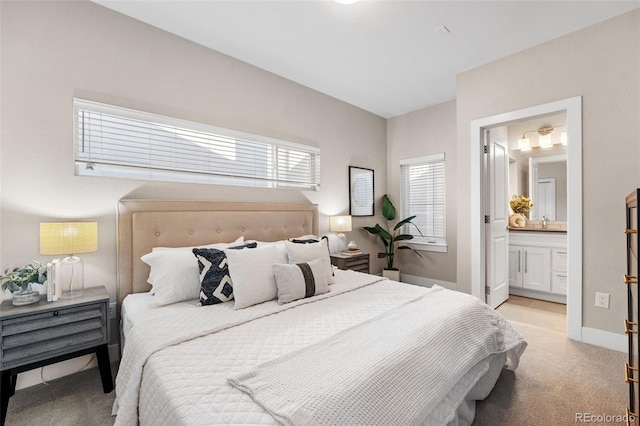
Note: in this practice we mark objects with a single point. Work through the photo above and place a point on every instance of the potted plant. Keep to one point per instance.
(391, 237)
(19, 279)
(520, 205)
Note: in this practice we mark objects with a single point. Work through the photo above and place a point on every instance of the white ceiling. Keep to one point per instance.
(382, 56)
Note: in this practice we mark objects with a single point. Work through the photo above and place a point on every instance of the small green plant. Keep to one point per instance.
(18, 278)
(391, 237)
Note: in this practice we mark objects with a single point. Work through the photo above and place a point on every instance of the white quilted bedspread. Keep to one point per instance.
(392, 369)
(174, 368)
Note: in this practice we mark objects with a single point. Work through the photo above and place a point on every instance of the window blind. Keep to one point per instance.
(423, 195)
(120, 142)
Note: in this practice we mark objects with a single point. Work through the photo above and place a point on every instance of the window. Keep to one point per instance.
(422, 187)
(118, 142)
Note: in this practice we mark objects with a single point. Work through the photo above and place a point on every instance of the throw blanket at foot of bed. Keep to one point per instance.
(392, 369)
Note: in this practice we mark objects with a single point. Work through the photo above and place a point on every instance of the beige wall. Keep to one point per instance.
(425, 132)
(54, 51)
(602, 64)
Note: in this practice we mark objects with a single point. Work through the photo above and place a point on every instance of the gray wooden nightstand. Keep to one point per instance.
(33, 336)
(358, 263)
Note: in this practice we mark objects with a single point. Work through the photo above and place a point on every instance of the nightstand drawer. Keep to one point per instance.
(46, 334)
(357, 263)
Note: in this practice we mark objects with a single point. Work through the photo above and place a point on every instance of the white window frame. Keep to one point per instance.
(428, 242)
(172, 160)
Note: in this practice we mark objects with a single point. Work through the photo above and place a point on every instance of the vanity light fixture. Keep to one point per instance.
(544, 138)
(563, 137)
(524, 144)
(544, 141)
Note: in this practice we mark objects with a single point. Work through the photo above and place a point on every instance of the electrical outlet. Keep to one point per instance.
(112, 310)
(602, 300)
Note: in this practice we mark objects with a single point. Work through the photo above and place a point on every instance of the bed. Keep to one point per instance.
(365, 350)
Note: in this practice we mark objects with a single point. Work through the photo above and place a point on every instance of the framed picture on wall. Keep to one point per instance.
(361, 191)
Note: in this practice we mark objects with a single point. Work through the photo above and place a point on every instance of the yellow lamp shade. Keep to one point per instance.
(68, 237)
(340, 223)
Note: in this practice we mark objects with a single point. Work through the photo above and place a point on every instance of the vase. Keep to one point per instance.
(517, 220)
(25, 296)
(392, 274)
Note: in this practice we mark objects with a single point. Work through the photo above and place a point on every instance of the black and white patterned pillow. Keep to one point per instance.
(215, 281)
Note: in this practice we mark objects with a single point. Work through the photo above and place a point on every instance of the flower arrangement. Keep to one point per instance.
(520, 204)
(19, 278)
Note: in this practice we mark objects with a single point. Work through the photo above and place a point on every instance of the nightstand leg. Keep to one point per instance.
(102, 353)
(7, 389)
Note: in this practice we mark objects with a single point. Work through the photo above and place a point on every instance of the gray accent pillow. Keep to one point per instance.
(300, 280)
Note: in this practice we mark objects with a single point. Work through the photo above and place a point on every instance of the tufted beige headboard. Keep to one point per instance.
(144, 224)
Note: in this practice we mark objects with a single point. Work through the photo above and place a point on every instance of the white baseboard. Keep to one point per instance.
(427, 282)
(605, 339)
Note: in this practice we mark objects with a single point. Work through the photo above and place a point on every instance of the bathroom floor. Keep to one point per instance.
(535, 312)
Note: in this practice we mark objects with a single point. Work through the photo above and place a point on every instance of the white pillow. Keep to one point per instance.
(174, 273)
(281, 250)
(303, 253)
(152, 273)
(300, 280)
(251, 272)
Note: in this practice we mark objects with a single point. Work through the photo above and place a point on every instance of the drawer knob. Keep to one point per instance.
(631, 417)
(55, 313)
(628, 327)
(628, 375)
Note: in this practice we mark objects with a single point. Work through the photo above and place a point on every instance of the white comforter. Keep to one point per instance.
(392, 369)
(175, 368)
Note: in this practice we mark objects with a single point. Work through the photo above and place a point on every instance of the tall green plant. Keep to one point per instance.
(391, 237)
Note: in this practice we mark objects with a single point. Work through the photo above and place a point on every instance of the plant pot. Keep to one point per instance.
(25, 297)
(392, 274)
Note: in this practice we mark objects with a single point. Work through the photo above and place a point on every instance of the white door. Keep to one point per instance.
(547, 198)
(498, 220)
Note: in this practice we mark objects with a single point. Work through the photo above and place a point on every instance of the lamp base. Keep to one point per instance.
(71, 277)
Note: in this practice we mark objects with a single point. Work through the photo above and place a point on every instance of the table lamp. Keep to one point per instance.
(340, 224)
(69, 238)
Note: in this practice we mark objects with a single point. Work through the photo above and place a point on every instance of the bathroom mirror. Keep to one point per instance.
(548, 187)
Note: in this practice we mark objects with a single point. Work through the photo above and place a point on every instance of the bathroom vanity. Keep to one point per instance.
(538, 262)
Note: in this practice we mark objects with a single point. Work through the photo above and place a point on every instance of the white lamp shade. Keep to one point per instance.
(524, 144)
(544, 141)
(340, 223)
(68, 237)
(563, 137)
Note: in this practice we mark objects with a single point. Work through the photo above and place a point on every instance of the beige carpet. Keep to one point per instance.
(557, 379)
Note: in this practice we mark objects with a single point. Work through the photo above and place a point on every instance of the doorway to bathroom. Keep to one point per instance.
(491, 250)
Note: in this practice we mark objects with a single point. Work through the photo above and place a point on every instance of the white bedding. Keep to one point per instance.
(161, 381)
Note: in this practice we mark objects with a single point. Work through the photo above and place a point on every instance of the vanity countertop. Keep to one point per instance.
(536, 229)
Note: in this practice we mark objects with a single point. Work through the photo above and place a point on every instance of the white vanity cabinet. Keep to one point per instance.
(559, 271)
(538, 265)
(530, 267)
